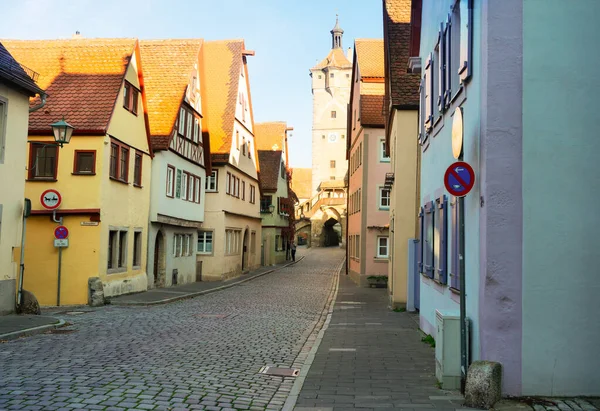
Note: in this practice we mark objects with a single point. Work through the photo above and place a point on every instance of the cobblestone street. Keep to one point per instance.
(202, 353)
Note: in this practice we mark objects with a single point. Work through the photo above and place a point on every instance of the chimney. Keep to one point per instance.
(349, 54)
(77, 35)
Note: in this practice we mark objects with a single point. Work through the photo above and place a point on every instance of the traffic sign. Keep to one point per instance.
(61, 232)
(50, 199)
(459, 179)
(61, 243)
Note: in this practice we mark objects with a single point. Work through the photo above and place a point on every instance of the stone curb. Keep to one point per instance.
(32, 331)
(292, 399)
(199, 293)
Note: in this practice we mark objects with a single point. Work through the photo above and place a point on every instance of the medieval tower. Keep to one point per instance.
(331, 80)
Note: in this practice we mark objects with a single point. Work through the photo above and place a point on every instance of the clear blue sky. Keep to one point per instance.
(289, 36)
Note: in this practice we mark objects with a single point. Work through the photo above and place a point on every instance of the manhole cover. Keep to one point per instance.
(212, 315)
(281, 372)
(61, 331)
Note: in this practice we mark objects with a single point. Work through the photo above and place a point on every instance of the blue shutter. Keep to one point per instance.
(466, 40)
(422, 133)
(441, 50)
(429, 227)
(443, 257)
(429, 87)
(421, 241)
(448, 61)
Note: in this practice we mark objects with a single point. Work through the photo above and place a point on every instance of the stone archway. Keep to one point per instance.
(160, 260)
(331, 235)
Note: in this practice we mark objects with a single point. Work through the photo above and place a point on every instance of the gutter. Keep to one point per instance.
(43, 97)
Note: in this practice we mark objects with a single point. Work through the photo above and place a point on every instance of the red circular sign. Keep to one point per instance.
(51, 199)
(61, 232)
(459, 179)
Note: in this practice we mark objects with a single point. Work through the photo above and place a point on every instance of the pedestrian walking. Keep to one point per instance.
(293, 251)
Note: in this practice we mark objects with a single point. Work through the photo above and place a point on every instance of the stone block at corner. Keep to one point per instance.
(484, 384)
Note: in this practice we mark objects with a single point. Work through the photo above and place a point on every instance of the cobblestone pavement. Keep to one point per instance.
(203, 353)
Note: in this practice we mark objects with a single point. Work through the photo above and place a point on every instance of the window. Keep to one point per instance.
(383, 157)
(282, 169)
(198, 189)
(3, 116)
(237, 139)
(188, 124)
(170, 180)
(332, 177)
(440, 59)
(130, 98)
(466, 39)
(191, 188)
(253, 242)
(331, 75)
(124, 164)
(333, 114)
(117, 250)
(232, 241)
(252, 194)
(112, 246)
(137, 170)
(320, 76)
(184, 186)
(43, 162)
(265, 202)
(244, 146)
(119, 161)
(332, 164)
(243, 190)
(122, 249)
(249, 149)
(228, 184)
(382, 247)
(137, 249)
(84, 162)
(181, 125)
(205, 242)
(177, 245)
(211, 182)
(347, 75)
(114, 158)
(384, 198)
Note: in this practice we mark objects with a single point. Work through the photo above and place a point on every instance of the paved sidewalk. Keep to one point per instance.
(180, 292)
(15, 326)
(372, 358)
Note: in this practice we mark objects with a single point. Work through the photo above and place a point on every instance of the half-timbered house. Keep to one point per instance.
(181, 158)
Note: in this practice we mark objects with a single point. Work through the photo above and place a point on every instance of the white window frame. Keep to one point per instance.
(197, 189)
(202, 235)
(184, 186)
(380, 197)
(382, 156)
(387, 246)
(181, 125)
(211, 182)
(170, 181)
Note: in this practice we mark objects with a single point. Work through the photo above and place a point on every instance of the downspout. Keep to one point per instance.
(43, 97)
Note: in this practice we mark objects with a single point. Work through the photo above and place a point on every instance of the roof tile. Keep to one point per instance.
(270, 164)
(369, 53)
(302, 182)
(371, 110)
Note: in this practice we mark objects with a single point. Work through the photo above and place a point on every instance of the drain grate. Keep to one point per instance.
(280, 372)
(60, 331)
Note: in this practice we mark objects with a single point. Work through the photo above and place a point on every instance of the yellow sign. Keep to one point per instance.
(457, 133)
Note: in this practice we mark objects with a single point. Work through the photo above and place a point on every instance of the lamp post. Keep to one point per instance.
(271, 208)
(62, 132)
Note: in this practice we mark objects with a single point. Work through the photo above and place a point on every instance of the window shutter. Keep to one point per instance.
(466, 40)
(454, 280)
(422, 133)
(448, 61)
(428, 80)
(421, 241)
(429, 225)
(441, 50)
(443, 268)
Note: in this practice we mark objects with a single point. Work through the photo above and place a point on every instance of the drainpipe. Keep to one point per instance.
(43, 97)
(26, 212)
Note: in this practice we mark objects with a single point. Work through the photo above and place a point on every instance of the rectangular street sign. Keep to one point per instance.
(61, 243)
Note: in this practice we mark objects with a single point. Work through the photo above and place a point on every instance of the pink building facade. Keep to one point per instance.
(368, 199)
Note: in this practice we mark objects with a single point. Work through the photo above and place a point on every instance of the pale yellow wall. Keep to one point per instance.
(12, 190)
(403, 209)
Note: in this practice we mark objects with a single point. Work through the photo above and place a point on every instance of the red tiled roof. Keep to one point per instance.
(369, 53)
(335, 58)
(270, 136)
(371, 110)
(404, 87)
(270, 166)
(222, 62)
(82, 78)
(302, 182)
(168, 65)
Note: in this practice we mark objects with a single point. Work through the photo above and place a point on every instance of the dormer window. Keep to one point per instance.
(130, 98)
(189, 124)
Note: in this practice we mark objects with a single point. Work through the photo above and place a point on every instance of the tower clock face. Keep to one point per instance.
(332, 137)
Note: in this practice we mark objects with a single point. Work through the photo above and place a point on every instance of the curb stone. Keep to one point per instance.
(203, 292)
(32, 331)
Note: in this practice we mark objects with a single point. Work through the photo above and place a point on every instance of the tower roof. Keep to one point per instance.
(337, 28)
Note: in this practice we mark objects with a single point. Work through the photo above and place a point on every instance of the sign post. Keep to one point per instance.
(459, 180)
(51, 200)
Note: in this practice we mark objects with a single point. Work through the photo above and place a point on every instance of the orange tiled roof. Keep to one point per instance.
(335, 58)
(270, 136)
(369, 53)
(167, 65)
(270, 167)
(82, 78)
(371, 110)
(404, 87)
(222, 62)
(302, 182)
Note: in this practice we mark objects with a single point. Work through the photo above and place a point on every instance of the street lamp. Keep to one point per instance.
(62, 132)
(271, 208)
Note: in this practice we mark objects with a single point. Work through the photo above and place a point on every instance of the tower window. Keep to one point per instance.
(332, 164)
(333, 114)
(347, 75)
(331, 75)
(332, 178)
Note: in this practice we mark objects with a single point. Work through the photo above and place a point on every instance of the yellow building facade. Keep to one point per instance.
(103, 174)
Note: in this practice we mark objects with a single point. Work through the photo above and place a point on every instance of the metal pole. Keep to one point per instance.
(59, 267)
(463, 292)
(22, 263)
